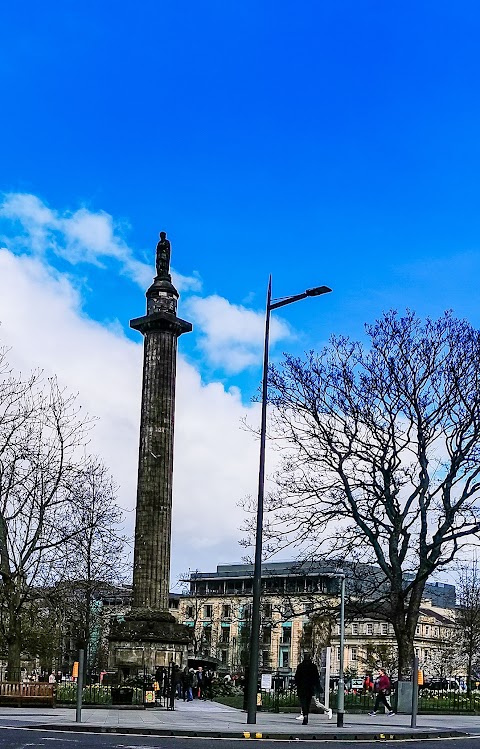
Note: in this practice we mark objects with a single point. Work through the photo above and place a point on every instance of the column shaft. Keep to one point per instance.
(151, 572)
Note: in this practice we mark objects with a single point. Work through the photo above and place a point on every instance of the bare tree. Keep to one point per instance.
(41, 432)
(96, 559)
(381, 456)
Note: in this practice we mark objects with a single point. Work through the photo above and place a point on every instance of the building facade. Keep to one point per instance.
(300, 611)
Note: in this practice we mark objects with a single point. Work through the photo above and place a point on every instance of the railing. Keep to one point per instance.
(141, 692)
(449, 696)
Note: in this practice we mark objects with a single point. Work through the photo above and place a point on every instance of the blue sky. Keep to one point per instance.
(323, 142)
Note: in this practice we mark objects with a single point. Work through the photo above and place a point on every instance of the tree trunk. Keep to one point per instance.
(405, 654)
(14, 642)
(469, 672)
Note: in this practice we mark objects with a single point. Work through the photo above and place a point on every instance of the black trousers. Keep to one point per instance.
(305, 699)
(381, 699)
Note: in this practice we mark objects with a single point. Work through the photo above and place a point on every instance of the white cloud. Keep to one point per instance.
(81, 236)
(231, 335)
(216, 461)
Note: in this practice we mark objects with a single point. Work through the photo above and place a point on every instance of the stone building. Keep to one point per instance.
(216, 607)
(369, 641)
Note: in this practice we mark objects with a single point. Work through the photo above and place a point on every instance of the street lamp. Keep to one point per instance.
(257, 569)
(340, 575)
(341, 680)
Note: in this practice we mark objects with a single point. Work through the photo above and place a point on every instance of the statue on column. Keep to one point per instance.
(163, 256)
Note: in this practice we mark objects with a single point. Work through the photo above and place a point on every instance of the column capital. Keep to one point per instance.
(161, 322)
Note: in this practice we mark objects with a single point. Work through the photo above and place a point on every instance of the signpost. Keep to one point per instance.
(81, 659)
(413, 722)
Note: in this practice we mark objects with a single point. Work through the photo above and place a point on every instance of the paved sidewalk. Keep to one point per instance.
(213, 719)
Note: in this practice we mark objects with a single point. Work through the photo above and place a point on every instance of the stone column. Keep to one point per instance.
(161, 328)
(148, 636)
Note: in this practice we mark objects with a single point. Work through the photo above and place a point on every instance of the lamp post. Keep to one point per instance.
(257, 569)
(341, 680)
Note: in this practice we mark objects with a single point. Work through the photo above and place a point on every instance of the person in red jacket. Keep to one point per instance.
(382, 687)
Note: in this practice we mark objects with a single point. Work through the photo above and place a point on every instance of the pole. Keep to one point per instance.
(341, 681)
(81, 661)
(413, 722)
(257, 569)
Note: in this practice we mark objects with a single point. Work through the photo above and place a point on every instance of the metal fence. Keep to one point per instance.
(447, 695)
(144, 691)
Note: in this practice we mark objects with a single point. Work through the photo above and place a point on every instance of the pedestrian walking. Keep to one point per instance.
(318, 703)
(307, 680)
(382, 689)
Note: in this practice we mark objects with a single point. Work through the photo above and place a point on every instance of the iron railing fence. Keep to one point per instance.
(445, 694)
(449, 694)
(143, 691)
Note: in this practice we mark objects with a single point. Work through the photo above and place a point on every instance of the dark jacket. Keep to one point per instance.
(307, 678)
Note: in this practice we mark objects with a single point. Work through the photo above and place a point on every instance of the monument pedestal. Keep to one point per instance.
(143, 640)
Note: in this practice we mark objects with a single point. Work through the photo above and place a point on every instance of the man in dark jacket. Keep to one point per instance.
(307, 680)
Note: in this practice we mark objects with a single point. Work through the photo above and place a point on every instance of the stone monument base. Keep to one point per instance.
(144, 639)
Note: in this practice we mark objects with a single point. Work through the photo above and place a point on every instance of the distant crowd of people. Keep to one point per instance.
(190, 683)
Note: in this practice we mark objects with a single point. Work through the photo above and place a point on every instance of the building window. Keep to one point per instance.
(286, 635)
(354, 629)
(190, 612)
(384, 629)
(427, 629)
(285, 658)
(207, 633)
(223, 657)
(338, 654)
(265, 658)
(267, 635)
(207, 611)
(267, 610)
(369, 629)
(225, 634)
(226, 611)
(353, 654)
(418, 629)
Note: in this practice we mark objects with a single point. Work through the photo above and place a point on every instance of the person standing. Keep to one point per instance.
(382, 688)
(307, 680)
(200, 683)
(187, 682)
(207, 685)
